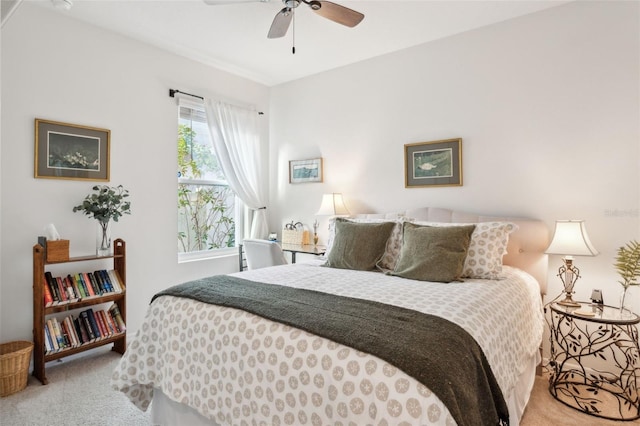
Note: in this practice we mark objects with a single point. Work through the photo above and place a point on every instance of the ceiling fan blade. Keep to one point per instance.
(280, 23)
(340, 14)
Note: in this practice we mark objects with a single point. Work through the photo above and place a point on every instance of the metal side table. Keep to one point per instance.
(595, 360)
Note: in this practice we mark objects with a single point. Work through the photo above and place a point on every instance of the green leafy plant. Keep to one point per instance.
(628, 264)
(205, 219)
(106, 203)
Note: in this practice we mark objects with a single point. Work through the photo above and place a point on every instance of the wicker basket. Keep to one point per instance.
(14, 366)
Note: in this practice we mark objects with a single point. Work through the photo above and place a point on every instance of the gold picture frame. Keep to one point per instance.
(71, 151)
(432, 164)
(304, 171)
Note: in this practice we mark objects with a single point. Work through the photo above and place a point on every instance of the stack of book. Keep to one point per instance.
(83, 285)
(88, 326)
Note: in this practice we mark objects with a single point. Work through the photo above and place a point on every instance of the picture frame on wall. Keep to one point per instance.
(304, 171)
(71, 151)
(431, 164)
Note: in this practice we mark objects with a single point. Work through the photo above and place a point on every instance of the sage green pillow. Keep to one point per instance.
(358, 245)
(432, 253)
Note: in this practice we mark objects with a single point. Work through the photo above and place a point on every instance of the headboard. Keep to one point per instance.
(526, 245)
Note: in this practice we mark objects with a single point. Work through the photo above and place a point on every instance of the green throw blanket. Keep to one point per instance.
(436, 352)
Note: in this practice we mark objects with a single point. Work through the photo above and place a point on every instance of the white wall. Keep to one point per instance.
(60, 69)
(547, 106)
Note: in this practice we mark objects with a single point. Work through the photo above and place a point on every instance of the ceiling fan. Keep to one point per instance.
(326, 9)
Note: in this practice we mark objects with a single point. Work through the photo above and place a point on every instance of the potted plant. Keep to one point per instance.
(628, 266)
(105, 204)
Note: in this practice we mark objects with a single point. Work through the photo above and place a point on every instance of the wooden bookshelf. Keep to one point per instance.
(40, 311)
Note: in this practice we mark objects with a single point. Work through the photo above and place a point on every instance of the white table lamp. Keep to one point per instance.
(570, 239)
(332, 205)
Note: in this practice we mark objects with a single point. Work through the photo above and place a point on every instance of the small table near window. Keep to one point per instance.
(595, 360)
(303, 248)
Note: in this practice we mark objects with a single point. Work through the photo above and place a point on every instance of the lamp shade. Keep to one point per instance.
(332, 205)
(570, 238)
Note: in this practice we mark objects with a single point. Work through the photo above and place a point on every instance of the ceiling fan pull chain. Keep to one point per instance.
(293, 48)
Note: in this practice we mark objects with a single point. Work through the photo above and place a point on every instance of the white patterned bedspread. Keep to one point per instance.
(237, 368)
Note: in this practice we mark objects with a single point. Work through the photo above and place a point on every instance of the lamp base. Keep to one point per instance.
(568, 301)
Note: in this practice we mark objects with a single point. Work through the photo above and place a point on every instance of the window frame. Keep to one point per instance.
(239, 213)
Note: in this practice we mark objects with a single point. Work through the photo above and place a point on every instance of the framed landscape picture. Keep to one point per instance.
(437, 163)
(302, 171)
(70, 151)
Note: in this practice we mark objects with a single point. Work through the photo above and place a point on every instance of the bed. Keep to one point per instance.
(195, 362)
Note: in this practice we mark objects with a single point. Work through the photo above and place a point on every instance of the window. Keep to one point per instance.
(206, 204)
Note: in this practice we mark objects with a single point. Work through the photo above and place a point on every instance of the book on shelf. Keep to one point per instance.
(111, 322)
(62, 294)
(101, 325)
(52, 333)
(48, 298)
(68, 288)
(66, 334)
(88, 288)
(58, 333)
(108, 288)
(81, 330)
(74, 285)
(90, 280)
(72, 331)
(69, 295)
(98, 281)
(48, 345)
(87, 326)
(61, 291)
(115, 280)
(52, 287)
(94, 324)
(104, 328)
(109, 280)
(106, 281)
(115, 312)
(89, 284)
(63, 332)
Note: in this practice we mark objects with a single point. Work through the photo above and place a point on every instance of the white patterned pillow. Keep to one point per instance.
(488, 245)
(394, 243)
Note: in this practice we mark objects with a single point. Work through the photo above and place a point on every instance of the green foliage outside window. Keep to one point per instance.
(205, 210)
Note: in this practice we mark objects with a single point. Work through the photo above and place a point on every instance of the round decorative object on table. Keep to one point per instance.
(595, 360)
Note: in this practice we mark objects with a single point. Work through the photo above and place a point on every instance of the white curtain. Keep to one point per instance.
(236, 141)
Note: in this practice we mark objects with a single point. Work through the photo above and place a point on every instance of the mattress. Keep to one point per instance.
(232, 367)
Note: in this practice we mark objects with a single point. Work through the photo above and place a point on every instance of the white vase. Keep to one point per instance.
(103, 239)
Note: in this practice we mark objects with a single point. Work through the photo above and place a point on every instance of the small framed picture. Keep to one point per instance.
(70, 151)
(302, 171)
(437, 163)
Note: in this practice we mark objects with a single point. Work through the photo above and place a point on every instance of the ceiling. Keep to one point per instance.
(233, 37)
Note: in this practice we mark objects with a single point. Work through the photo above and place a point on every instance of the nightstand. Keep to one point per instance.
(303, 248)
(595, 360)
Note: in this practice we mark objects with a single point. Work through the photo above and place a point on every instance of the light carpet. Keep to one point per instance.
(79, 393)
